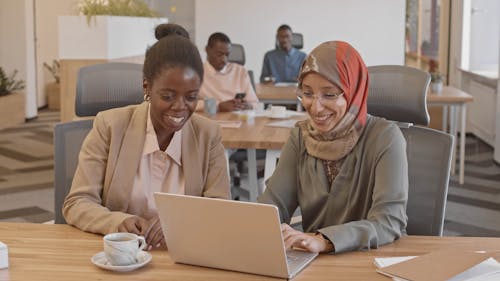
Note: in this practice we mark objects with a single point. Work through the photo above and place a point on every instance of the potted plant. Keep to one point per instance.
(9, 84)
(130, 8)
(437, 82)
(53, 89)
(11, 100)
(110, 29)
(437, 78)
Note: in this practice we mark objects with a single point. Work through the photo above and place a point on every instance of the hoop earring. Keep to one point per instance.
(147, 97)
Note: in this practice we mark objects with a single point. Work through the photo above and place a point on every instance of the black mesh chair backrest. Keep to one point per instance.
(237, 54)
(398, 93)
(108, 85)
(68, 139)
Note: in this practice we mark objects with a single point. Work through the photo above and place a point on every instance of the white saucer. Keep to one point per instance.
(279, 117)
(100, 260)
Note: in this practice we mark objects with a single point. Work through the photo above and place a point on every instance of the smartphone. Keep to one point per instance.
(240, 96)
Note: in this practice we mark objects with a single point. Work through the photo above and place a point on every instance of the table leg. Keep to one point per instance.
(226, 153)
(252, 174)
(445, 119)
(272, 156)
(453, 132)
(299, 107)
(463, 111)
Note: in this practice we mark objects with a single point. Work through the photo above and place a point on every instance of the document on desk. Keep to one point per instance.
(286, 84)
(229, 124)
(442, 265)
(283, 124)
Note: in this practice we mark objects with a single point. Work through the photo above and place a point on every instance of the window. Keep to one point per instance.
(427, 33)
(480, 37)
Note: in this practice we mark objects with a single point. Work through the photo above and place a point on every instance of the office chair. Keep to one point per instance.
(68, 138)
(297, 40)
(429, 154)
(399, 93)
(237, 54)
(108, 85)
(428, 151)
(99, 87)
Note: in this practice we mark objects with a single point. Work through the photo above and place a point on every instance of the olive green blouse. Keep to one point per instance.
(364, 207)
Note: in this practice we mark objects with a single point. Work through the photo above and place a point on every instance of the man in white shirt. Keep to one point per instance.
(222, 79)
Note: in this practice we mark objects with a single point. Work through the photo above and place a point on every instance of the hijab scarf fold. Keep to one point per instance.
(341, 64)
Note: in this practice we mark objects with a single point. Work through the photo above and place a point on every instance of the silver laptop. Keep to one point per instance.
(226, 234)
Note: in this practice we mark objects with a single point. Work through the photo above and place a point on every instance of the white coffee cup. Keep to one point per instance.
(258, 107)
(122, 248)
(210, 106)
(278, 111)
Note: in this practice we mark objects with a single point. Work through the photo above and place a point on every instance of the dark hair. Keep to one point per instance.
(284, 27)
(171, 50)
(218, 36)
(166, 29)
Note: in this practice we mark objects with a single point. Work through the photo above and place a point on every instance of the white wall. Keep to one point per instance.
(485, 26)
(176, 11)
(12, 45)
(375, 27)
(17, 46)
(46, 12)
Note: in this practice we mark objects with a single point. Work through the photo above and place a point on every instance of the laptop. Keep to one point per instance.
(225, 234)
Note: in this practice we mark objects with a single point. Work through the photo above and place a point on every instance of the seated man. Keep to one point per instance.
(283, 63)
(222, 79)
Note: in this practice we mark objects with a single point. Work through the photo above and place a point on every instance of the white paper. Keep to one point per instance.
(488, 270)
(229, 124)
(4, 256)
(282, 124)
(383, 262)
(286, 84)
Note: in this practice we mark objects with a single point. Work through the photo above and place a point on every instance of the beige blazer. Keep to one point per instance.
(110, 156)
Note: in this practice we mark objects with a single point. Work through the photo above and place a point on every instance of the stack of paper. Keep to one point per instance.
(442, 265)
(229, 124)
(282, 124)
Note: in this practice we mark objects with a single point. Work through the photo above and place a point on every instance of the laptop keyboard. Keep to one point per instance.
(297, 259)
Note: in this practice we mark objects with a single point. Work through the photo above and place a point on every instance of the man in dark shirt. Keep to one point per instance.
(283, 63)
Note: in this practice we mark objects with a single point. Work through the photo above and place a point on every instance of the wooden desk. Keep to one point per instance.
(61, 252)
(451, 98)
(254, 134)
(269, 93)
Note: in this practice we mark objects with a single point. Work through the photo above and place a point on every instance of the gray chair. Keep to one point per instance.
(399, 93)
(99, 87)
(429, 160)
(107, 85)
(68, 138)
(252, 80)
(237, 54)
(297, 40)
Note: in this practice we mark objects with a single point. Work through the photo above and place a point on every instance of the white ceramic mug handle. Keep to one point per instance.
(142, 242)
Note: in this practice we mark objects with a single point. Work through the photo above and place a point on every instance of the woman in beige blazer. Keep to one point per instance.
(158, 145)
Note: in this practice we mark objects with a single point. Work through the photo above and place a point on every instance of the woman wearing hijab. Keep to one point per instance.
(346, 170)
